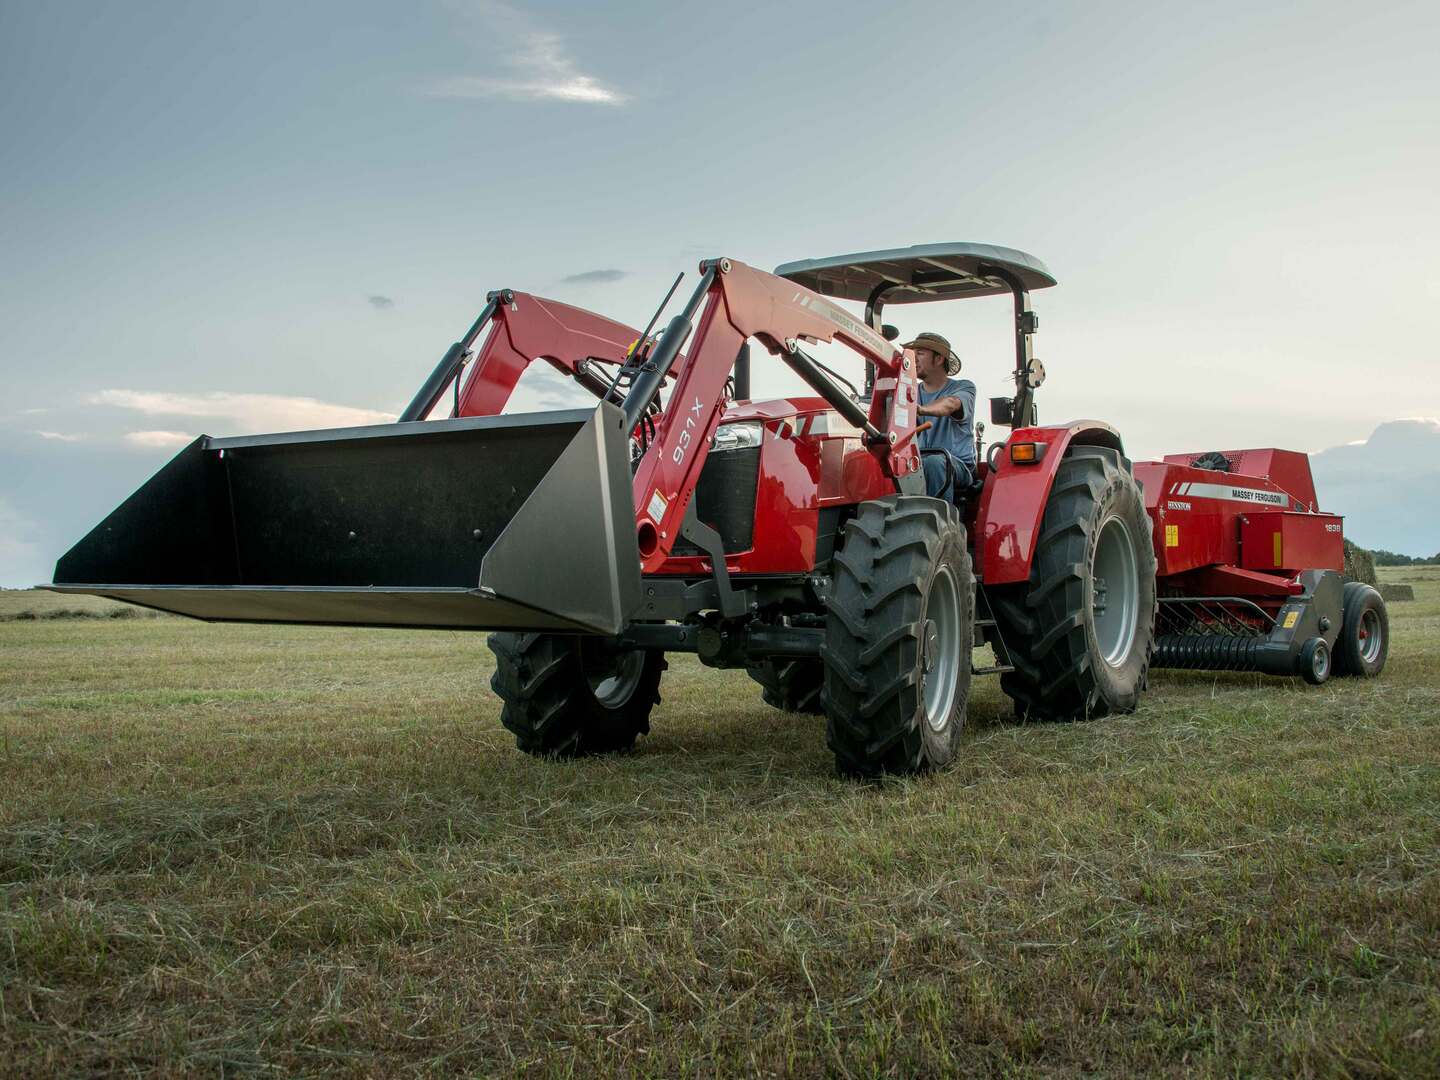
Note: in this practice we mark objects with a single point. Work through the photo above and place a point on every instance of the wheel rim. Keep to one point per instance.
(1372, 636)
(614, 688)
(1115, 604)
(940, 649)
(1320, 662)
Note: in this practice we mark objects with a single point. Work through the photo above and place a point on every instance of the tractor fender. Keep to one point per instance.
(1007, 523)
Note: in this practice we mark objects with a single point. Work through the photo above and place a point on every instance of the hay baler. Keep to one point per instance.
(790, 537)
(1250, 570)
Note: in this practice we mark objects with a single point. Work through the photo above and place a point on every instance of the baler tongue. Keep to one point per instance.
(498, 522)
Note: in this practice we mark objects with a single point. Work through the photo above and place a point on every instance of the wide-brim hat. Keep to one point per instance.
(934, 342)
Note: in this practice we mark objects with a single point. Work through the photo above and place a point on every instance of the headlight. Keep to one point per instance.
(737, 436)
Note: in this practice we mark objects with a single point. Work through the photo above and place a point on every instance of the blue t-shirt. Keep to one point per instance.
(955, 432)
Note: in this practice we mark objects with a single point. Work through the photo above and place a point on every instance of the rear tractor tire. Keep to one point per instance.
(568, 696)
(1364, 641)
(898, 637)
(790, 685)
(1081, 631)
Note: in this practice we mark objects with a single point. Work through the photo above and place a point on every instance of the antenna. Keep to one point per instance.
(640, 341)
(625, 371)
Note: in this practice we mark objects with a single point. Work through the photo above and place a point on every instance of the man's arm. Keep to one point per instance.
(942, 406)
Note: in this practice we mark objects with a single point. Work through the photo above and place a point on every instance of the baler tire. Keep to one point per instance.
(1356, 656)
(902, 601)
(545, 683)
(790, 685)
(1316, 662)
(1049, 622)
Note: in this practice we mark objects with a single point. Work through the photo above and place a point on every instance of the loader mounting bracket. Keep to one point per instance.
(732, 603)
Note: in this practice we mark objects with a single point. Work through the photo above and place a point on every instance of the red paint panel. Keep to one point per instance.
(773, 310)
(1286, 543)
(742, 303)
(1013, 503)
(786, 520)
(1289, 470)
(541, 327)
(803, 468)
(1189, 533)
(1230, 581)
(493, 375)
(665, 481)
(1198, 512)
(531, 328)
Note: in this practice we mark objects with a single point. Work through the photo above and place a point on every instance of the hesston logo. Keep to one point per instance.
(1176, 504)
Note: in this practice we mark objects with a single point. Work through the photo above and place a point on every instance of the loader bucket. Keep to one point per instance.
(498, 522)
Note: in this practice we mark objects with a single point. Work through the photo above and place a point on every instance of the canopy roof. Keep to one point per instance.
(922, 273)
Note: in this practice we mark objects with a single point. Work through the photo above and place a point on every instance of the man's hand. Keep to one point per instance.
(944, 406)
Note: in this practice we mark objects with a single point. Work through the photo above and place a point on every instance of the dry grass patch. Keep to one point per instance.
(294, 850)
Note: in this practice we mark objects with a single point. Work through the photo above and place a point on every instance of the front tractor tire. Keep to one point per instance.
(1081, 631)
(790, 685)
(567, 696)
(898, 637)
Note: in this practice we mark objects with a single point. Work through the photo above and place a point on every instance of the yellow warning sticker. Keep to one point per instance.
(1172, 535)
(1291, 618)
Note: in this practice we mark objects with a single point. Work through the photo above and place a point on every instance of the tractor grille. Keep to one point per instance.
(725, 499)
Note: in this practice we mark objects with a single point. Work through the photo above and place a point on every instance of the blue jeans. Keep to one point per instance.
(935, 478)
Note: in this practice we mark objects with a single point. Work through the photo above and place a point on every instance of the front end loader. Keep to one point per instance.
(421, 523)
(792, 538)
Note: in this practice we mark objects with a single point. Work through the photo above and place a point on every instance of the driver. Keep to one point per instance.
(949, 404)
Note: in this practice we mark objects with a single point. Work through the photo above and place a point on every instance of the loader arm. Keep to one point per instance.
(527, 328)
(484, 521)
(737, 302)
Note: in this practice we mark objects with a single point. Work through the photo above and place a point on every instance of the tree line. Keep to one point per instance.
(1391, 558)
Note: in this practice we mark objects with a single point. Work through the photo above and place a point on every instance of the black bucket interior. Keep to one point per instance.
(414, 506)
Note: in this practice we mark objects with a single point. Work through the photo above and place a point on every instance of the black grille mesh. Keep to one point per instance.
(725, 499)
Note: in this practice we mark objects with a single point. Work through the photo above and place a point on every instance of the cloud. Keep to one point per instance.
(380, 302)
(594, 277)
(60, 436)
(1388, 487)
(540, 67)
(159, 439)
(548, 398)
(243, 413)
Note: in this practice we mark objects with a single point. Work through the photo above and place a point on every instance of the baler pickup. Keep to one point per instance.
(520, 522)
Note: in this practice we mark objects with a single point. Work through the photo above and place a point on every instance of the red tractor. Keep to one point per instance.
(790, 537)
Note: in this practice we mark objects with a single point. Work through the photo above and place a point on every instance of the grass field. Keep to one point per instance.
(239, 850)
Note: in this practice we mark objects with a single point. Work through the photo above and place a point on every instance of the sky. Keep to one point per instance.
(233, 218)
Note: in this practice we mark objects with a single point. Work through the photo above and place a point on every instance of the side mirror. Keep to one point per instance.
(888, 332)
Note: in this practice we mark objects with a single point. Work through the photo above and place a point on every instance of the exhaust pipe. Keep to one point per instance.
(487, 523)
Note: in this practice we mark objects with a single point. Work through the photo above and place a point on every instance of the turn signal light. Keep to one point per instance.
(1025, 453)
